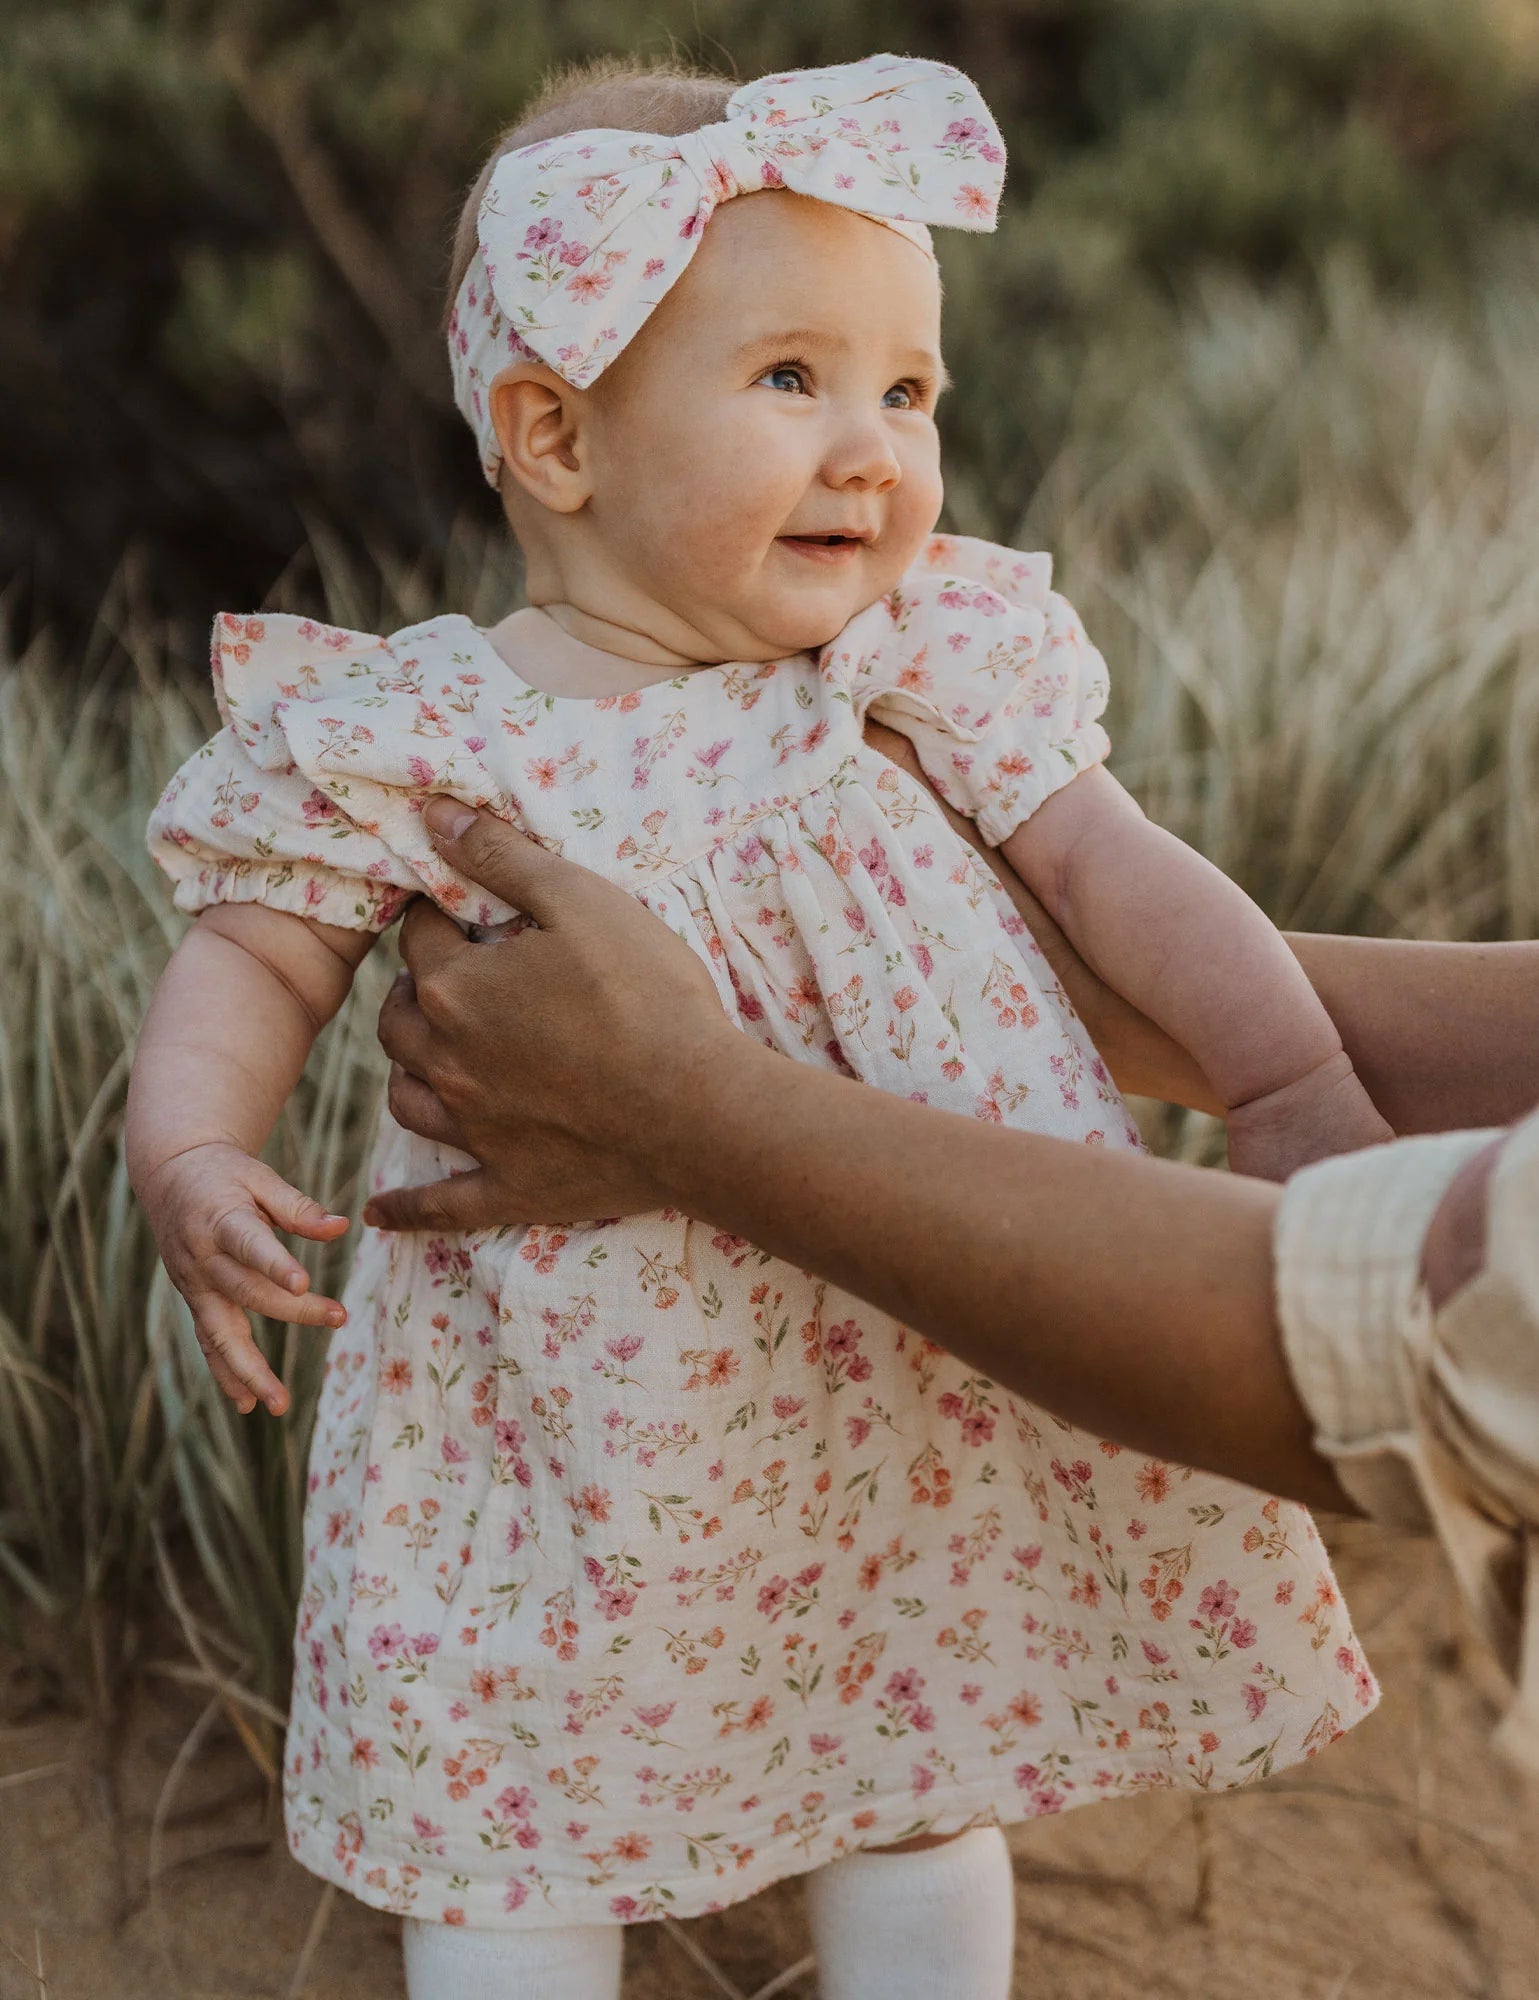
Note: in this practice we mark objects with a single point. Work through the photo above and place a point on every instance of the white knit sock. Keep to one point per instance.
(449, 1962)
(934, 1924)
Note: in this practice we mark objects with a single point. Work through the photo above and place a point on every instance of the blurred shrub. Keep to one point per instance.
(224, 229)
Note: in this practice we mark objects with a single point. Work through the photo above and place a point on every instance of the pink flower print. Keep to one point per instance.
(772, 1595)
(1218, 1601)
(538, 234)
(905, 1685)
(844, 181)
(453, 1452)
(588, 284)
(573, 254)
(1255, 1699)
(921, 1779)
(1242, 1634)
(1075, 1479)
(963, 132)
(385, 1642)
(972, 202)
(317, 809)
(654, 267)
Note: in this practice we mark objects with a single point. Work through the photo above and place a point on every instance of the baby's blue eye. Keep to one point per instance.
(899, 389)
(771, 376)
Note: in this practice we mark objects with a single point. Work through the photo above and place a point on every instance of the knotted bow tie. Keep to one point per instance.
(580, 236)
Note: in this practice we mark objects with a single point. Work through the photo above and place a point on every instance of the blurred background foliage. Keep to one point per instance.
(224, 230)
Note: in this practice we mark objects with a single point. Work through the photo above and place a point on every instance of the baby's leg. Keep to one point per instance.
(921, 1923)
(449, 1962)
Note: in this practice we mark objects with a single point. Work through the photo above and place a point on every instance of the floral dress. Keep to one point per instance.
(642, 1568)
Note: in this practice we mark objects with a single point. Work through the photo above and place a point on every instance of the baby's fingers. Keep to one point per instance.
(235, 1361)
(295, 1211)
(248, 1288)
(245, 1237)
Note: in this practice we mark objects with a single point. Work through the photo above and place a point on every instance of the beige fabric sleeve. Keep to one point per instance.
(1430, 1419)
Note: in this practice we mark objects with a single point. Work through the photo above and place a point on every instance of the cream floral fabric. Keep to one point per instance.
(580, 236)
(642, 1569)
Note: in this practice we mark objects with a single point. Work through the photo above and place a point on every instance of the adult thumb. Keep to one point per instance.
(503, 859)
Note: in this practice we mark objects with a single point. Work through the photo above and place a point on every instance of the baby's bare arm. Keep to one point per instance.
(1143, 1059)
(1190, 949)
(226, 1037)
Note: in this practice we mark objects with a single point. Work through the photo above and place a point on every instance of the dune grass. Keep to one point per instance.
(1305, 544)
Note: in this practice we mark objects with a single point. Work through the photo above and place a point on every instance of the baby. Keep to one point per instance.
(563, 1480)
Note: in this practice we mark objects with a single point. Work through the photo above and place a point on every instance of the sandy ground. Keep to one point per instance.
(1405, 1863)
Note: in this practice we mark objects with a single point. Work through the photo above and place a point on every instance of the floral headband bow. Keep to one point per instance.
(582, 235)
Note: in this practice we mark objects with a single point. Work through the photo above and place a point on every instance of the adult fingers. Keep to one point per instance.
(254, 1293)
(463, 1202)
(428, 938)
(416, 1106)
(506, 861)
(237, 1364)
(403, 1028)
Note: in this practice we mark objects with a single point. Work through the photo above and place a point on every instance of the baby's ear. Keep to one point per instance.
(537, 417)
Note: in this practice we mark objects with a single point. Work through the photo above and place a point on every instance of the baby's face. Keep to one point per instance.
(783, 392)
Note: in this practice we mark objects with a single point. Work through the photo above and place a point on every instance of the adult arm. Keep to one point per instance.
(1443, 1035)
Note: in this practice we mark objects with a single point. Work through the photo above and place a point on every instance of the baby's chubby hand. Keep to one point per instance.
(212, 1209)
(1324, 1111)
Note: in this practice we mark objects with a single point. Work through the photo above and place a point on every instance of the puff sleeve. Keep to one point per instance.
(987, 671)
(304, 801)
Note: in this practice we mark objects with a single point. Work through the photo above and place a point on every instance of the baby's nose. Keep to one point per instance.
(862, 455)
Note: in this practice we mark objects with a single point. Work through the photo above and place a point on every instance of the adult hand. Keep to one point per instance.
(601, 987)
(529, 1053)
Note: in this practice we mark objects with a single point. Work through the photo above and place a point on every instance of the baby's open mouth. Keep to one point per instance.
(823, 548)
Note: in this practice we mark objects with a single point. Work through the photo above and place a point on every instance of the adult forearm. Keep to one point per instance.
(1129, 1296)
(1444, 1036)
